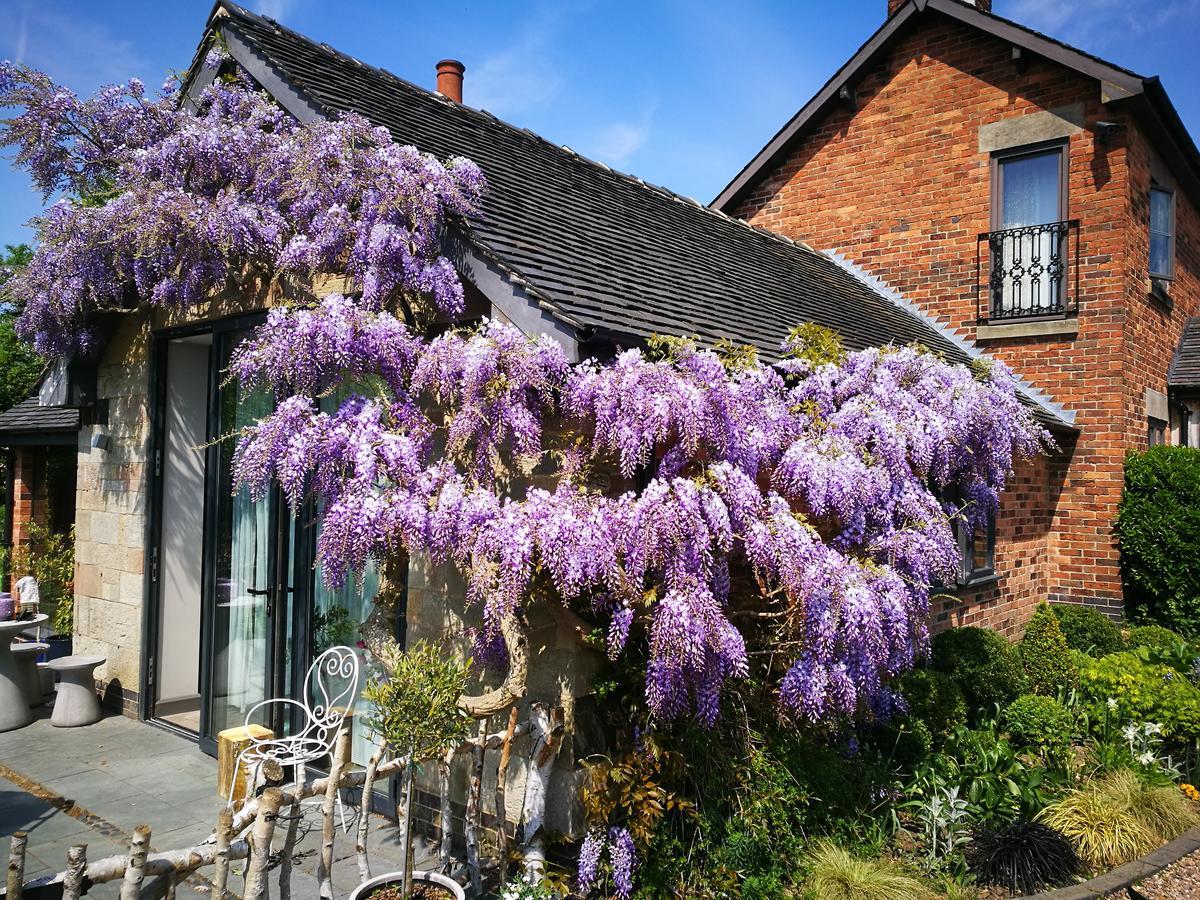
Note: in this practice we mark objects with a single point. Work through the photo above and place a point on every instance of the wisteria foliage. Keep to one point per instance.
(806, 491)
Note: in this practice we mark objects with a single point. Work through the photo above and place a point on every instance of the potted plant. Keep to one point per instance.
(415, 714)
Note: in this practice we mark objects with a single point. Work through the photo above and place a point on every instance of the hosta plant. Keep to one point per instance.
(1023, 857)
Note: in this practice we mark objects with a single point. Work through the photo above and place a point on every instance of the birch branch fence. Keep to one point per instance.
(248, 833)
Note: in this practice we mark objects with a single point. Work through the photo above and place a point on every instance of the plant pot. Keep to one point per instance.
(452, 887)
(59, 647)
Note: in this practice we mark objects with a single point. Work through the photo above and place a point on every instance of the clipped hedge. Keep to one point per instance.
(935, 700)
(1158, 533)
(1033, 720)
(1155, 637)
(1046, 656)
(983, 664)
(1088, 630)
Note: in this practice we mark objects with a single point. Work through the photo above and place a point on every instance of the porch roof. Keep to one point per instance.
(1184, 373)
(30, 423)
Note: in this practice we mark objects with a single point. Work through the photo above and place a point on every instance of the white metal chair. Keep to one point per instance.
(330, 692)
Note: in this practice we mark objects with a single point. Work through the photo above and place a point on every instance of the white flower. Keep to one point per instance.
(1111, 702)
(1146, 758)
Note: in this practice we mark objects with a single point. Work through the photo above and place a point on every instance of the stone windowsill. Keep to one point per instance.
(1046, 328)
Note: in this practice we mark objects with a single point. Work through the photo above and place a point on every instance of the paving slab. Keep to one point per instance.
(97, 783)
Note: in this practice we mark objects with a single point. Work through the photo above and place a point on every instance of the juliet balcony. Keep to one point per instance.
(1027, 273)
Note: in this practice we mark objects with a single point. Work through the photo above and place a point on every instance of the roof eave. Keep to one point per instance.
(1115, 83)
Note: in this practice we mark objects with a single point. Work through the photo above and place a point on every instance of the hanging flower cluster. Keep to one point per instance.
(817, 480)
(822, 481)
(164, 200)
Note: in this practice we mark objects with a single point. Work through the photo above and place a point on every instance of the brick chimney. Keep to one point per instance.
(985, 5)
(450, 79)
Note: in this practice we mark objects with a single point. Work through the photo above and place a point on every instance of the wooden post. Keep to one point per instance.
(547, 730)
(289, 842)
(257, 885)
(221, 863)
(471, 823)
(16, 866)
(230, 743)
(501, 800)
(135, 869)
(341, 751)
(364, 815)
(76, 870)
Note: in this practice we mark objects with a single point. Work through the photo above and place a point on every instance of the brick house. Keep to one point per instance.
(1038, 202)
(204, 602)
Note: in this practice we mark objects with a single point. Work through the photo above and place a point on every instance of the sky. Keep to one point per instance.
(681, 93)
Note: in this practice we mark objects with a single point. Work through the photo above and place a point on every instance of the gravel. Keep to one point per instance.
(1178, 881)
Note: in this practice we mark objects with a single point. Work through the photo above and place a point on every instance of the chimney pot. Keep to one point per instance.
(984, 5)
(450, 79)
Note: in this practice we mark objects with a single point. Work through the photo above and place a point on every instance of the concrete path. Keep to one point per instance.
(96, 784)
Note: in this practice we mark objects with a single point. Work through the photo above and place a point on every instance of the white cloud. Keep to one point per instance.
(82, 53)
(617, 142)
(521, 76)
(1099, 24)
(274, 9)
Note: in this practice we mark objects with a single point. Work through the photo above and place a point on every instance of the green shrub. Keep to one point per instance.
(836, 875)
(1088, 630)
(1143, 692)
(983, 664)
(905, 741)
(1045, 655)
(1034, 720)
(1155, 637)
(1158, 532)
(934, 699)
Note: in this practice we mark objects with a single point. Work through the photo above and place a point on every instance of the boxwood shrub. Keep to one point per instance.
(1088, 630)
(983, 664)
(1046, 656)
(934, 699)
(1155, 637)
(1033, 720)
(1158, 533)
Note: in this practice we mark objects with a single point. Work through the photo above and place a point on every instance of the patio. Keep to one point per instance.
(96, 784)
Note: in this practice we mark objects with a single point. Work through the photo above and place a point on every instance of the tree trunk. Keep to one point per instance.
(325, 870)
(360, 846)
(404, 818)
(257, 885)
(446, 821)
(16, 866)
(501, 800)
(76, 872)
(472, 821)
(547, 730)
(135, 869)
(289, 842)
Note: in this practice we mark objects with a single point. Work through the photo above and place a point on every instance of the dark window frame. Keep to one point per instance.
(1156, 432)
(970, 575)
(999, 157)
(1169, 275)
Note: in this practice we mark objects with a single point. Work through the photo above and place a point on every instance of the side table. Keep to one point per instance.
(26, 656)
(76, 703)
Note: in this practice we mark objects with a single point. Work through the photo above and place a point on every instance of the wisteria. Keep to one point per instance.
(694, 505)
(621, 856)
(165, 200)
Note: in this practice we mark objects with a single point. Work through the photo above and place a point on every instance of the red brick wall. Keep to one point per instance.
(29, 491)
(901, 188)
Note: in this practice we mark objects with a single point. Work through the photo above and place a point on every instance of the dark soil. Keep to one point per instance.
(421, 891)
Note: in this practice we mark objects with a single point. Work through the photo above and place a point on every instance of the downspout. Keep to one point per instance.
(6, 533)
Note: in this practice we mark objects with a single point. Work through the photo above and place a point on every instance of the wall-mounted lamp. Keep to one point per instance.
(101, 442)
(1106, 131)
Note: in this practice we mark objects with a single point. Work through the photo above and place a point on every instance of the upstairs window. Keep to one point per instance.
(1162, 233)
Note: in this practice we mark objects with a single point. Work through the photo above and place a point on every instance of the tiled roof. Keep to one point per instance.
(601, 251)
(30, 418)
(1185, 367)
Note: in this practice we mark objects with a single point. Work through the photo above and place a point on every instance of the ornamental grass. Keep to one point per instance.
(836, 875)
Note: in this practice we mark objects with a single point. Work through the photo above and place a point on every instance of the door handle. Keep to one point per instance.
(255, 592)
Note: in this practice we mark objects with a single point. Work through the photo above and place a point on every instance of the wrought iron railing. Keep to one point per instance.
(1031, 272)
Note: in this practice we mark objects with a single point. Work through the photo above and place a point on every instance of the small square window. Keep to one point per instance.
(976, 549)
(1157, 432)
(1162, 233)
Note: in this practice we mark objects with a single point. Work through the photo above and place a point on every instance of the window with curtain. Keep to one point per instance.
(1029, 194)
(1162, 233)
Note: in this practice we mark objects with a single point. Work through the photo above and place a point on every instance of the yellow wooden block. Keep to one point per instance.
(230, 743)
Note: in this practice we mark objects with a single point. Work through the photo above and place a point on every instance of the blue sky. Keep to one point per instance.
(679, 92)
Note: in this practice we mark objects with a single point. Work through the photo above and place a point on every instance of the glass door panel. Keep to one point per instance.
(245, 561)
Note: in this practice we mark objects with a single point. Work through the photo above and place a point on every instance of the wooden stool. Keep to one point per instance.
(230, 743)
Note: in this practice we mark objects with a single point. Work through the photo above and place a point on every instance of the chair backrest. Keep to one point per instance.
(331, 686)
